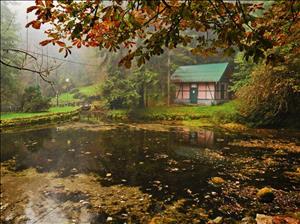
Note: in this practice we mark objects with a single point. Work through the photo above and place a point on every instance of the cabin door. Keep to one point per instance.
(194, 93)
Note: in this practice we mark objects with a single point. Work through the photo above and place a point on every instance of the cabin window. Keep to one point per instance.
(222, 91)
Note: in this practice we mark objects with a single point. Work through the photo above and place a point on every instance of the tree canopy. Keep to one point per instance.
(233, 25)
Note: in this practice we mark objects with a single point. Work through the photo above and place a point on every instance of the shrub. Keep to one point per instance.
(119, 92)
(33, 101)
(272, 95)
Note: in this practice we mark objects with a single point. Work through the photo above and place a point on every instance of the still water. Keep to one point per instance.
(84, 173)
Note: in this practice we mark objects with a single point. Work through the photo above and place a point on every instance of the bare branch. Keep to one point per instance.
(166, 4)
(21, 51)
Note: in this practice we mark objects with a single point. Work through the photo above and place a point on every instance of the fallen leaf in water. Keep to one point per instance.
(74, 170)
(60, 185)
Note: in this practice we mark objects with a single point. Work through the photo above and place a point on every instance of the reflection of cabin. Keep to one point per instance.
(202, 84)
(204, 138)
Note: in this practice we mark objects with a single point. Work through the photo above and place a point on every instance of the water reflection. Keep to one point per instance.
(166, 165)
(202, 138)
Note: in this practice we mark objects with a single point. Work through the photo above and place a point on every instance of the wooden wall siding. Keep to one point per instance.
(182, 91)
(218, 90)
(201, 91)
(210, 91)
(186, 91)
(206, 91)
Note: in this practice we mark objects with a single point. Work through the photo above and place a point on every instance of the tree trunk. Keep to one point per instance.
(168, 79)
(142, 96)
(146, 97)
(57, 99)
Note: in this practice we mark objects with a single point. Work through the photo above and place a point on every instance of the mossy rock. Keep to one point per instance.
(217, 180)
(266, 194)
(217, 220)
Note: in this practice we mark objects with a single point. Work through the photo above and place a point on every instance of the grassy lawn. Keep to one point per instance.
(90, 90)
(65, 98)
(188, 112)
(52, 110)
(224, 112)
(87, 91)
(205, 111)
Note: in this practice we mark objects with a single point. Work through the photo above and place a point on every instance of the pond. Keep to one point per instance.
(146, 173)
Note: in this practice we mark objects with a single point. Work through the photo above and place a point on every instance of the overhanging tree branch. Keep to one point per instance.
(41, 73)
(21, 51)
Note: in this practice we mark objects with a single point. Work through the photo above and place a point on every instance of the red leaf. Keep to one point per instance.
(60, 43)
(39, 2)
(31, 8)
(45, 42)
(49, 3)
(36, 24)
(28, 24)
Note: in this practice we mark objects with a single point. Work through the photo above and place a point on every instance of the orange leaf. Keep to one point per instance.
(45, 42)
(28, 24)
(39, 2)
(60, 43)
(31, 8)
(36, 24)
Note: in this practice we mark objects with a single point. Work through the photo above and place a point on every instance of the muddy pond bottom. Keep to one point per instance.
(91, 173)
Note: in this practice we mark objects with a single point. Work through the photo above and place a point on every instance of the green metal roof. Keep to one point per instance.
(200, 73)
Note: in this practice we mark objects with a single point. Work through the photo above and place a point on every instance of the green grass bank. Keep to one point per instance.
(54, 115)
(224, 113)
(77, 94)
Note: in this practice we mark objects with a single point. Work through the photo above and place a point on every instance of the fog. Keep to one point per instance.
(75, 67)
(34, 36)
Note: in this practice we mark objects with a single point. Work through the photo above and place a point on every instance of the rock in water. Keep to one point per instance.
(263, 219)
(217, 220)
(265, 194)
(217, 180)
(248, 220)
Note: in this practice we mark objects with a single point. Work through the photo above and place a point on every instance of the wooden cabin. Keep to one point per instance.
(205, 84)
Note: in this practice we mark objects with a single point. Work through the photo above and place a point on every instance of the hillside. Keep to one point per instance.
(78, 94)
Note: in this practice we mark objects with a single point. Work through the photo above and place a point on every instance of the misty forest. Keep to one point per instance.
(157, 111)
